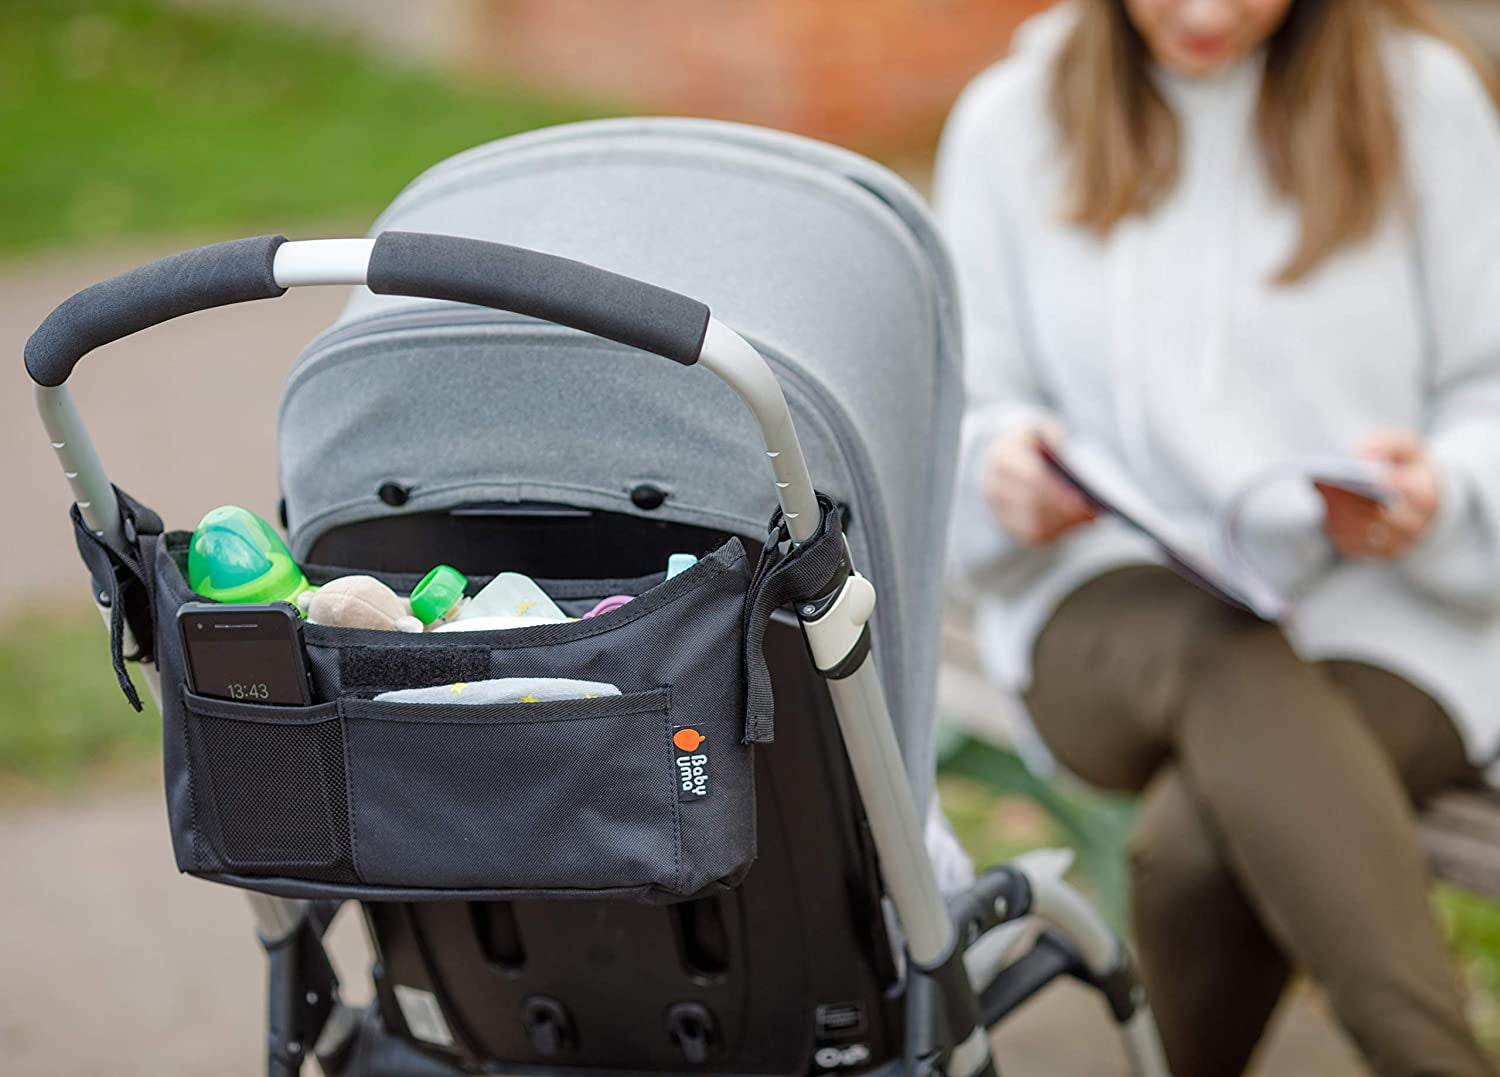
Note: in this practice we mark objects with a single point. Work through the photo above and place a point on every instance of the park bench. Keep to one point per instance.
(1460, 829)
(1461, 832)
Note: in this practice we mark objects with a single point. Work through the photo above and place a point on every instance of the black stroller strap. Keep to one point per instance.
(807, 571)
(123, 583)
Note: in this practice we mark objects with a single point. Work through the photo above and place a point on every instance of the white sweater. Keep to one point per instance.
(1168, 345)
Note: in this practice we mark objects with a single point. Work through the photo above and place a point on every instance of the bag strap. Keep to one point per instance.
(805, 572)
(123, 583)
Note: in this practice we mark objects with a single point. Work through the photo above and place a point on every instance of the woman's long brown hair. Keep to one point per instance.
(1326, 121)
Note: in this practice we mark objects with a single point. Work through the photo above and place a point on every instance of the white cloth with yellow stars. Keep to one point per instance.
(502, 690)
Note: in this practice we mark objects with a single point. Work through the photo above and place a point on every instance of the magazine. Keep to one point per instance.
(1221, 565)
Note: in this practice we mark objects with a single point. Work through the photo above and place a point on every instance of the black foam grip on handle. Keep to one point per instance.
(560, 290)
(212, 276)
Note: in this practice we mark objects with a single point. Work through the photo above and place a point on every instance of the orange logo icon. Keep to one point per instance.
(688, 739)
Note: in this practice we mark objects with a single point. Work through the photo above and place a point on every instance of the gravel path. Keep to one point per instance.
(112, 963)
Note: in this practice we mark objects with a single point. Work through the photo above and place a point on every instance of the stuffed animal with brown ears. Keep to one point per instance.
(358, 602)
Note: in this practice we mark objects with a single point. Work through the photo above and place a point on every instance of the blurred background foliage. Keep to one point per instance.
(127, 118)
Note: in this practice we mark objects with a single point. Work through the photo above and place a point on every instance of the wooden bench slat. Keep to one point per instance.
(1461, 832)
(1473, 813)
(1463, 861)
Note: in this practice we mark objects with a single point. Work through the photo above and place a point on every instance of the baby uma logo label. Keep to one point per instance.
(690, 758)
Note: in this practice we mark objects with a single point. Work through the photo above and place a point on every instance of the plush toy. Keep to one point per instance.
(358, 602)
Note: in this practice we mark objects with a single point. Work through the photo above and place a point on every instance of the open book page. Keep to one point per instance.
(1363, 478)
(1217, 561)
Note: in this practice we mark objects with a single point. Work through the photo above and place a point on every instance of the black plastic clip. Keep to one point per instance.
(122, 583)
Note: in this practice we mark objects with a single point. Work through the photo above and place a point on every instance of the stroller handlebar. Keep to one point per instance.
(205, 277)
(454, 268)
(496, 275)
(575, 294)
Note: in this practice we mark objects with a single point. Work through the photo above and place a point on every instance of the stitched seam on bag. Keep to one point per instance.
(187, 754)
(216, 840)
(149, 575)
(299, 717)
(672, 799)
(641, 703)
(349, 800)
(290, 886)
(404, 720)
(214, 835)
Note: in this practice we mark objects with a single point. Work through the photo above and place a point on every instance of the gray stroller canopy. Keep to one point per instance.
(824, 261)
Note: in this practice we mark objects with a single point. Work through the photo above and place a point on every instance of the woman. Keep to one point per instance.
(1206, 236)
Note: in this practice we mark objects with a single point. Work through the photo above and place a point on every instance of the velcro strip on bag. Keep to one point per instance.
(411, 667)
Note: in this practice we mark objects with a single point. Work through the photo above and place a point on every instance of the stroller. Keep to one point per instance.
(537, 898)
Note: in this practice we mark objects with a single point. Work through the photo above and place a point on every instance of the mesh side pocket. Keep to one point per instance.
(270, 787)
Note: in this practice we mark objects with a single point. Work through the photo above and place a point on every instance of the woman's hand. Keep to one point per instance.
(1359, 527)
(1028, 499)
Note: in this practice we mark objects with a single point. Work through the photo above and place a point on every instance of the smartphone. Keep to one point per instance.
(245, 653)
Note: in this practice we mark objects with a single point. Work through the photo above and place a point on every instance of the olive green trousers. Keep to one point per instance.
(1276, 828)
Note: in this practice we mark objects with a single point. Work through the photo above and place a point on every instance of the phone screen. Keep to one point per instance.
(247, 655)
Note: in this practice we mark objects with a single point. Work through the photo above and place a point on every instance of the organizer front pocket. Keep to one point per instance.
(576, 795)
(269, 787)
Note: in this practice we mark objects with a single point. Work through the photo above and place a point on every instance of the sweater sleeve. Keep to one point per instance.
(1002, 389)
(1452, 131)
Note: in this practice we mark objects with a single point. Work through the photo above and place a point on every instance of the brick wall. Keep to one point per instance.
(875, 74)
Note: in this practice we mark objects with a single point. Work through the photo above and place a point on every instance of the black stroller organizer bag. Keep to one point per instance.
(357, 798)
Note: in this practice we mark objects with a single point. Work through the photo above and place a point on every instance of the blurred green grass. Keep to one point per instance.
(123, 118)
(999, 809)
(64, 724)
(1472, 925)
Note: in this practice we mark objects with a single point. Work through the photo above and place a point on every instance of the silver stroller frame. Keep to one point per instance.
(956, 950)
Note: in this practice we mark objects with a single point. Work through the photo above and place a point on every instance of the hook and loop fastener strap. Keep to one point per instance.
(810, 570)
(122, 581)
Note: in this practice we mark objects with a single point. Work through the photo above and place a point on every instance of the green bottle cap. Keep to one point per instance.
(437, 594)
(235, 556)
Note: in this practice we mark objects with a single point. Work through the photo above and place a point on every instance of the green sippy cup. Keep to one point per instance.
(235, 556)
